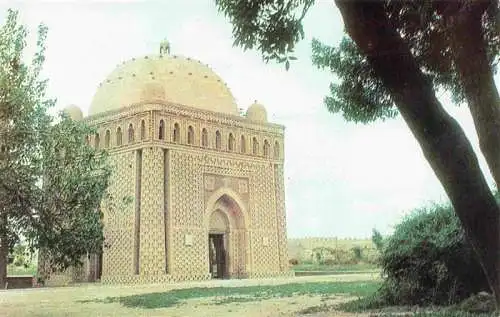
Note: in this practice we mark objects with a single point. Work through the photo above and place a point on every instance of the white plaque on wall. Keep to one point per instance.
(188, 240)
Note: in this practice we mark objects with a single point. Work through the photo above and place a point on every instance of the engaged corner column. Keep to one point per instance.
(151, 258)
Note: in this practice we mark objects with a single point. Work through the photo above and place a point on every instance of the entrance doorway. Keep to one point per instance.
(227, 242)
(94, 269)
(99, 266)
(217, 254)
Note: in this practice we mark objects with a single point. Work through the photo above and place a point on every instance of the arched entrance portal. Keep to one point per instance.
(226, 238)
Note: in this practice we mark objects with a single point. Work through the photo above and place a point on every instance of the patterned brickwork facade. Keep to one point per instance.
(192, 174)
(152, 233)
(119, 219)
(281, 216)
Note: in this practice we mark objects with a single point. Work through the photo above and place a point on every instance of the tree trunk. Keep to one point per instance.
(441, 138)
(476, 77)
(4, 251)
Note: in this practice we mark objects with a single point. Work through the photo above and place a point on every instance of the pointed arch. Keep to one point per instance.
(219, 221)
(204, 137)
(226, 214)
(161, 130)
(230, 142)
(218, 140)
(190, 136)
(107, 139)
(266, 148)
(143, 130)
(119, 136)
(230, 194)
(243, 145)
(176, 135)
(97, 141)
(255, 146)
(130, 133)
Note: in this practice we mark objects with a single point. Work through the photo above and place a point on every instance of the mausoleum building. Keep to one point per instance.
(206, 181)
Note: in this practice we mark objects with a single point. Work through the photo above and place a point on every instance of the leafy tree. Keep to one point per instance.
(20, 256)
(22, 120)
(397, 54)
(51, 182)
(76, 178)
(378, 240)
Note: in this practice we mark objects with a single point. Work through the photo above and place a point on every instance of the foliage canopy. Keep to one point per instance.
(52, 182)
(274, 27)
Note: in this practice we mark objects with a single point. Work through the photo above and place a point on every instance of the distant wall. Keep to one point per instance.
(19, 282)
(302, 248)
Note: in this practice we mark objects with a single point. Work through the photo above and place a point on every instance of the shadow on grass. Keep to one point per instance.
(226, 295)
(475, 306)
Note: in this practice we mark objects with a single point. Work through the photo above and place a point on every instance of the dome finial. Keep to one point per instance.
(165, 47)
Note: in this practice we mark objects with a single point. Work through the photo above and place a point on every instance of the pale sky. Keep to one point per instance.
(342, 179)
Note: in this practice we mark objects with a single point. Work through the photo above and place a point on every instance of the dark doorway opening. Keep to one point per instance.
(217, 255)
(99, 266)
(95, 266)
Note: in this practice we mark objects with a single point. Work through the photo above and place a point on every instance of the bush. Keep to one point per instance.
(293, 262)
(429, 261)
(372, 257)
(20, 256)
(329, 262)
(358, 253)
(378, 240)
(477, 304)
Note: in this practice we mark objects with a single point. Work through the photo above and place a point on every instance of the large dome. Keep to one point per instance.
(170, 78)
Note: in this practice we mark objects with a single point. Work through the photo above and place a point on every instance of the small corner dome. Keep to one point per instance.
(74, 112)
(257, 112)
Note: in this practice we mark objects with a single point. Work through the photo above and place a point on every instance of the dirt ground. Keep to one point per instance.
(83, 300)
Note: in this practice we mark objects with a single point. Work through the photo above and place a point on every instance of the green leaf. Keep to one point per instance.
(52, 183)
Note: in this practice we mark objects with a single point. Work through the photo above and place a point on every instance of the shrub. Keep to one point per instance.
(378, 240)
(343, 256)
(371, 256)
(429, 261)
(329, 262)
(20, 256)
(477, 304)
(358, 253)
(293, 262)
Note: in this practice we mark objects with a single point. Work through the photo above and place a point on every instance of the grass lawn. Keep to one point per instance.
(228, 295)
(336, 295)
(221, 298)
(363, 267)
